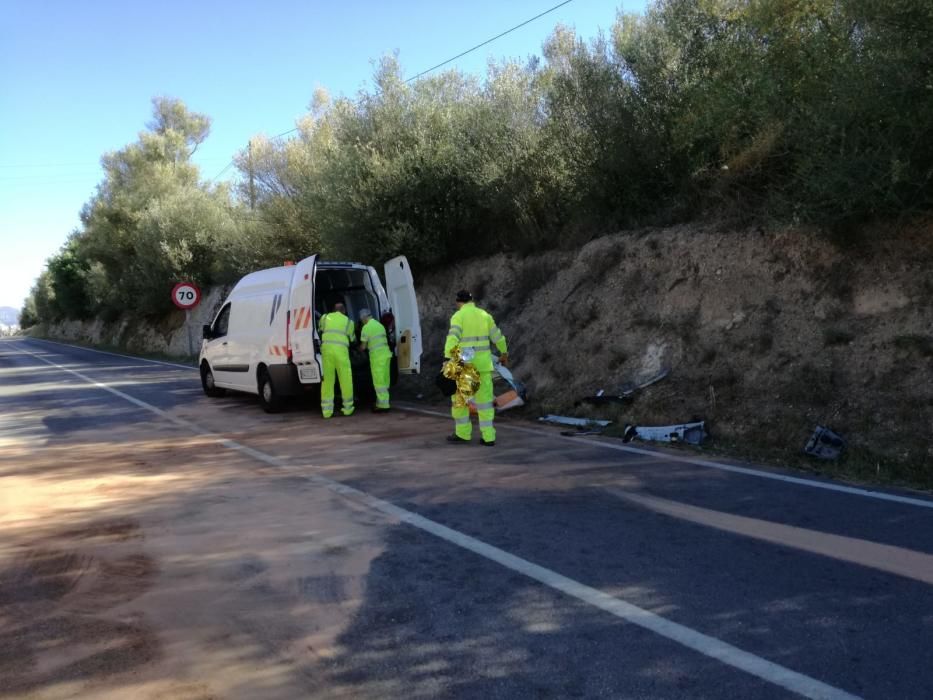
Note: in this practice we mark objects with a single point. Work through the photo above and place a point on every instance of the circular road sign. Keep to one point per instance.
(186, 295)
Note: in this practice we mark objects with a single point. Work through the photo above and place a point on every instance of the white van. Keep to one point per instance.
(264, 340)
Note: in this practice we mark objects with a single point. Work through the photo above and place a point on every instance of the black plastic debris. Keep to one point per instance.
(579, 432)
(625, 393)
(825, 444)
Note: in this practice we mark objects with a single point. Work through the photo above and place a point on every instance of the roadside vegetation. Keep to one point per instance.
(815, 111)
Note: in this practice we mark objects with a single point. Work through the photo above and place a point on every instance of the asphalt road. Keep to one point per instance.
(547, 567)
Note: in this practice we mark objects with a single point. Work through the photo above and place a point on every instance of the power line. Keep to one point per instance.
(488, 41)
(440, 65)
(233, 160)
(464, 53)
(225, 169)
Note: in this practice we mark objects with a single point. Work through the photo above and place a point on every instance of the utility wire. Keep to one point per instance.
(226, 168)
(441, 64)
(488, 41)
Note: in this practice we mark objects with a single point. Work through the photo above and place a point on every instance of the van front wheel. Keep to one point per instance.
(207, 383)
(270, 401)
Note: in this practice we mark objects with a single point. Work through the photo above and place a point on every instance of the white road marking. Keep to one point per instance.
(684, 459)
(704, 644)
(116, 354)
(747, 471)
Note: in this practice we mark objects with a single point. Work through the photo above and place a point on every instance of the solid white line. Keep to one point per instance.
(115, 354)
(708, 464)
(747, 471)
(704, 644)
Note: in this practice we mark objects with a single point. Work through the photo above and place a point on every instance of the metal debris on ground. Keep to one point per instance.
(570, 420)
(825, 444)
(690, 433)
(625, 393)
(503, 402)
(513, 398)
(582, 431)
(507, 375)
(510, 399)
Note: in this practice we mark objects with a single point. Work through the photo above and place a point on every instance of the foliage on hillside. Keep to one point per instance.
(815, 110)
(150, 222)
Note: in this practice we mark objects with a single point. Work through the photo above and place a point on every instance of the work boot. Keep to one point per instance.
(457, 440)
(491, 443)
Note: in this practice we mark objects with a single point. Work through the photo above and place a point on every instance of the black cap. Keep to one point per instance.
(464, 296)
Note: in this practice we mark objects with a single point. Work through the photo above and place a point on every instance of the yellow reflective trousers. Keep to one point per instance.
(373, 338)
(336, 335)
(485, 411)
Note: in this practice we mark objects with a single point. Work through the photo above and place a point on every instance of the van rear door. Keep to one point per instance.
(302, 329)
(401, 290)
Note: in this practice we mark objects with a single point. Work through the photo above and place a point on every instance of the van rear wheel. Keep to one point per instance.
(207, 383)
(269, 399)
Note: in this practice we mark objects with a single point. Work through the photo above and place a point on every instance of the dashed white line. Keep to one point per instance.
(702, 643)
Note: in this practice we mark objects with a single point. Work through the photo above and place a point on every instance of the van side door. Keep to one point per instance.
(302, 326)
(400, 288)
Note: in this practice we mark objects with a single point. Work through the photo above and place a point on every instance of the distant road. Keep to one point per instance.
(162, 544)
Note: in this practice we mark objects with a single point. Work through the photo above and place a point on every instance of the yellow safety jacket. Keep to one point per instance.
(336, 329)
(473, 328)
(373, 338)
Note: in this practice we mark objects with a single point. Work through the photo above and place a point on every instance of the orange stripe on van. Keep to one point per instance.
(307, 319)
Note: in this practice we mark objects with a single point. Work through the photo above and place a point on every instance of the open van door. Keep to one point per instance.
(401, 290)
(302, 328)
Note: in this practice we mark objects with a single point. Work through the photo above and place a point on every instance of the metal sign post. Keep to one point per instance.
(188, 328)
(187, 295)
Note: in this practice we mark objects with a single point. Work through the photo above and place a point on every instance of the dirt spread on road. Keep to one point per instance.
(139, 568)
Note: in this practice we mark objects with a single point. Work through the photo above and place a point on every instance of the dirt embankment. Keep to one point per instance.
(767, 334)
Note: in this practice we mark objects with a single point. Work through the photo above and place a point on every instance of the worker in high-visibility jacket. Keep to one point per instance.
(475, 331)
(374, 339)
(337, 332)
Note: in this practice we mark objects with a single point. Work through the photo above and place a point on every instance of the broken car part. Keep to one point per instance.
(691, 433)
(825, 444)
(626, 393)
(569, 420)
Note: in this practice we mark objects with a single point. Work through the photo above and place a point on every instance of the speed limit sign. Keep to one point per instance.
(186, 295)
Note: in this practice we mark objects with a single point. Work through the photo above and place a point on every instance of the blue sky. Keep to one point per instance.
(76, 80)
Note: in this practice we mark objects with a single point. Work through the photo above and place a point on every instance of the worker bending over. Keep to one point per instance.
(373, 338)
(336, 335)
(474, 330)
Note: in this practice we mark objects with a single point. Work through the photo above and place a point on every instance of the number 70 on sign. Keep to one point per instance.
(186, 295)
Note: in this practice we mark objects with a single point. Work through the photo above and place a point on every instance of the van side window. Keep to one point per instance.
(222, 322)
